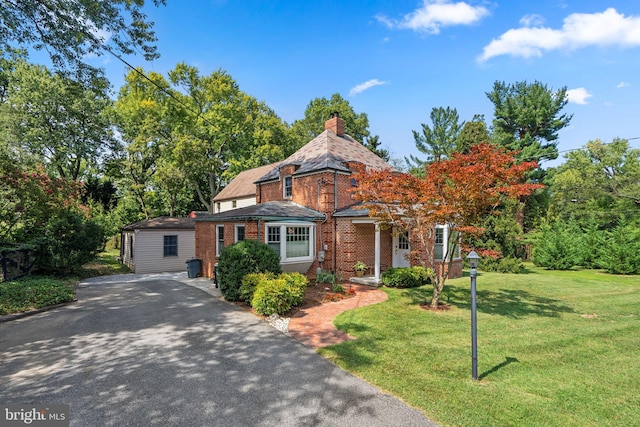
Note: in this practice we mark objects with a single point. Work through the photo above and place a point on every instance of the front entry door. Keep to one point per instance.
(401, 249)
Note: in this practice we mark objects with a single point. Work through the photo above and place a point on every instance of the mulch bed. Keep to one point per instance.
(322, 293)
(314, 295)
(440, 307)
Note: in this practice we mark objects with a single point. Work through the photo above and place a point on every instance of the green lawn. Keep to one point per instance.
(554, 348)
(106, 264)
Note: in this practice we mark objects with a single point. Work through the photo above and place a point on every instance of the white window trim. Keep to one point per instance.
(445, 243)
(235, 231)
(164, 245)
(216, 237)
(283, 240)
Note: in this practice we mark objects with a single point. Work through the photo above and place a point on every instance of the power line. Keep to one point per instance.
(109, 50)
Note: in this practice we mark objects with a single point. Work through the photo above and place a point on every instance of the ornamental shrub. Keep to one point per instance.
(279, 295)
(250, 283)
(406, 277)
(240, 259)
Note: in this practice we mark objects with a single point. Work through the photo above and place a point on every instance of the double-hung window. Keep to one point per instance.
(219, 239)
(292, 241)
(239, 233)
(287, 187)
(439, 244)
(444, 236)
(171, 245)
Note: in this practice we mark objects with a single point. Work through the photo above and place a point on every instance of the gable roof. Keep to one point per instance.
(243, 184)
(271, 211)
(329, 151)
(162, 223)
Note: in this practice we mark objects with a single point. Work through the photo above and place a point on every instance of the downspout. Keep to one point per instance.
(335, 191)
(335, 223)
(259, 228)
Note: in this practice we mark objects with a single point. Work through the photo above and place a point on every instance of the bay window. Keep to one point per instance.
(292, 241)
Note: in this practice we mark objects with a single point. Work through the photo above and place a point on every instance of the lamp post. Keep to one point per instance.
(473, 259)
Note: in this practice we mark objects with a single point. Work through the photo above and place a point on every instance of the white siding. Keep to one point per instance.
(127, 258)
(227, 205)
(148, 256)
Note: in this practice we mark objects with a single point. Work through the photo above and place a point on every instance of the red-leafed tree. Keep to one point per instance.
(456, 192)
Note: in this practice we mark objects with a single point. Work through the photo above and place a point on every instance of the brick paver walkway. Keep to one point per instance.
(314, 326)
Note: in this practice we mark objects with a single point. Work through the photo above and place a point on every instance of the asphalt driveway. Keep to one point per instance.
(160, 352)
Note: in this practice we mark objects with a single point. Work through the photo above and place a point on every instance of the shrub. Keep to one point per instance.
(325, 276)
(67, 242)
(338, 288)
(279, 295)
(250, 283)
(240, 259)
(621, 251)
(557, 248)
(32, 293)
(406, 277)
(501, 265)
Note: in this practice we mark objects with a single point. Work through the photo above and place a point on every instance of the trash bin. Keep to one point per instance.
(215, 274)
(193, 268)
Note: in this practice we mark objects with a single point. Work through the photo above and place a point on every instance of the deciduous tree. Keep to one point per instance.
(71, 31)
(54, 120)
(456, 192)
(601, 179)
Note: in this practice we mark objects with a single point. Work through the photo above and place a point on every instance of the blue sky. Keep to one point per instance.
(397, 59)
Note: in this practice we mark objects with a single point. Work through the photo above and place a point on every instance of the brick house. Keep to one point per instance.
(304, 210)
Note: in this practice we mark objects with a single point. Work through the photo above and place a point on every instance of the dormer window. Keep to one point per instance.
(287, 187)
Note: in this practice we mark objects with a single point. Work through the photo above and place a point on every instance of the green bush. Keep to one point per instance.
(32, 293)
(501, 265)
(406, 277)
(67, 242)
(557, 247)
(325, 276)
(240, 259)
(621, 251)
(279, 295)
(250, 283)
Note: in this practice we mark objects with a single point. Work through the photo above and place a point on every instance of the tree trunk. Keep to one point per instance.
(437, 291)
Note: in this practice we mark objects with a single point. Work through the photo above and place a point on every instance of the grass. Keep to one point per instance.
(34, 292)
(554, 349)
(105, 265)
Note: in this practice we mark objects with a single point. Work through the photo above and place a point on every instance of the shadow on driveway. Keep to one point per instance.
(162, 353)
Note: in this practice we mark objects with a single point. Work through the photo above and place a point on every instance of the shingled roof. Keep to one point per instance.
(278, 210)
(329, 150)
(243, 185)
(162, 223)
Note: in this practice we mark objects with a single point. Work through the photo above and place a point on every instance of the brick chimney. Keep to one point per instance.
(335, 123)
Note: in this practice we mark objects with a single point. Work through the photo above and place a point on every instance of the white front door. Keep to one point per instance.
(401, 249)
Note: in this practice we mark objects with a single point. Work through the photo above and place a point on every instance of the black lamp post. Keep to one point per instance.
(473, 259)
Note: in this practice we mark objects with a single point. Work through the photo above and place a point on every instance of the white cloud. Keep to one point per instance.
(366, 85)
(578, 95)
(608, 28)
(531, 20)
(435, 14)
(621, 85)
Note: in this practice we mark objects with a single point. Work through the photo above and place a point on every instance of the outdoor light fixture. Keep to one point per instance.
(473, 259)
